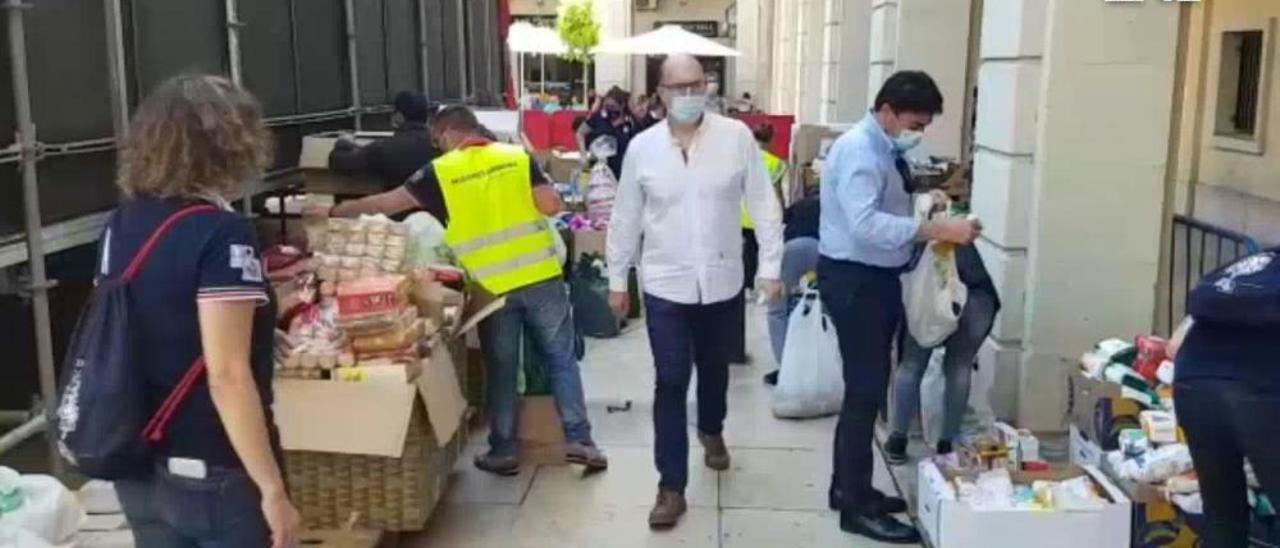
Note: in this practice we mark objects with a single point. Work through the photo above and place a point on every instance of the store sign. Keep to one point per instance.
(536, 20)
(708, 29)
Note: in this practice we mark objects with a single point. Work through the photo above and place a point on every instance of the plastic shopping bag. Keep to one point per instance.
(811, 383)
(46, 510)
(933, 295)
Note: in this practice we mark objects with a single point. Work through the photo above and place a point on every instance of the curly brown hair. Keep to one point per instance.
(195, 135)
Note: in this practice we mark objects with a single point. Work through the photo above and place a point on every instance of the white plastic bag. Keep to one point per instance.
(934, 296)
(48, 511)
(600, 194)
(811, 383)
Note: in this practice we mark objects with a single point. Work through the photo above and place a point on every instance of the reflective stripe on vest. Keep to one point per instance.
(494, 228)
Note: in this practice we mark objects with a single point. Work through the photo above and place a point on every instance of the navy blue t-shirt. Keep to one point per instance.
(205, 257)
(1231, 352)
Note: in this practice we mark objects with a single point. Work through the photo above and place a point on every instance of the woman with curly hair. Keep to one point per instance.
(201, 297)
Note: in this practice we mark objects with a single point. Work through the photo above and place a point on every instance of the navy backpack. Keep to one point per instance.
(106, 423)
(1246, 292)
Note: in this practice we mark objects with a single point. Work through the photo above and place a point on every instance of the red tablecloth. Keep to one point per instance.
(550, 131)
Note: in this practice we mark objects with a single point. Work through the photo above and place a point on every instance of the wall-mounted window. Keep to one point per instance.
(1243, 87)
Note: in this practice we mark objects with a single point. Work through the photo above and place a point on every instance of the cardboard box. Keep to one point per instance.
(1156, 522)
(340, 539)
(368, 418)
(951, 524)
(561, 166)
(1083, 401)
(589, 241)
(540, 431)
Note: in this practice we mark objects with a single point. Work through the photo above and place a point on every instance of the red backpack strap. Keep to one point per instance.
(145, 251)
(159, 423)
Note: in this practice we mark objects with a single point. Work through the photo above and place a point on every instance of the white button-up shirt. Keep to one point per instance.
(686, 212)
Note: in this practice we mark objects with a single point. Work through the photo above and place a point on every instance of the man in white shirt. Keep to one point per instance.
(680, 194)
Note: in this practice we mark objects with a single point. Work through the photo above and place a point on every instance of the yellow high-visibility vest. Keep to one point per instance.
(777, 171)
(495, 230)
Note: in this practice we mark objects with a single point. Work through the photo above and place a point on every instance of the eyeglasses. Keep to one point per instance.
(687, 88)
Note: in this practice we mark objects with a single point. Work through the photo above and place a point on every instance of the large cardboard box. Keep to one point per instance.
(951, 524)
(1083, 450)
(1157, 523)
(382, 449)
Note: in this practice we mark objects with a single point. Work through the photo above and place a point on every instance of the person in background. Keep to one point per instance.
(961, 349)
(641, 113)
(867, 235)
(201, 295)
(777, 170)
(613, 120)
(393, 159)
(1227, 389)
(493, 201)
(799, 262)
(715, 98)
(744, 105)
(677, 205)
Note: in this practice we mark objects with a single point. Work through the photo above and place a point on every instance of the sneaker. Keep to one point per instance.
(771, 379)
(498, 465)
(667, 510)
(586, 455)
(944, 447)
(895, 449)
(717, 454)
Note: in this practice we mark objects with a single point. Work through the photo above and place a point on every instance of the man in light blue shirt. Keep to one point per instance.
(867, 233)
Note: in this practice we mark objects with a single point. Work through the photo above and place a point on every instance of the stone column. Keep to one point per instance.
(615, 22)
(933, 36)
(846, 61)
(1072, 134)
(883, 38)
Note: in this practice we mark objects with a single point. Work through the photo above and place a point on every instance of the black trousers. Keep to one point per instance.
(865, 303)
(1227, 421)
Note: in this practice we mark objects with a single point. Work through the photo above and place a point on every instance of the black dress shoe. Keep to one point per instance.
(882, 528)
(887, 504)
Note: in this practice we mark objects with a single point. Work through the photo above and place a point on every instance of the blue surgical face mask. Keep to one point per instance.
(907, 139)
(687, 109)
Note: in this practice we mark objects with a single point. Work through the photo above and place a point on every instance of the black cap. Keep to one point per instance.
(413, 106)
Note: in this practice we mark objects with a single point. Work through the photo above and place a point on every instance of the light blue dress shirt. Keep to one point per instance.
(866, 211)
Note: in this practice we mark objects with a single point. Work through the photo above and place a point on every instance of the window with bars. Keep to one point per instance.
(1240, 83)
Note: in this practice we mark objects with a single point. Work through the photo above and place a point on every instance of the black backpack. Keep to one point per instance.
(106, 424)
(1246, 292)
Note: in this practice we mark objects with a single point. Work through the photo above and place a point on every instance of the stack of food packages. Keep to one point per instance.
(992, 471)
(1155, 452)
(362, 325)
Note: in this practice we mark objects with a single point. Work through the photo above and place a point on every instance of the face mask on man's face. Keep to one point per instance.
(687, 109)
(907, 139)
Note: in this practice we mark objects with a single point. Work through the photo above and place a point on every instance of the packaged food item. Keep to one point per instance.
(338, 225)
(397, 229)
(1184, 484)
(396, 240)
(390, 265)
(395, 339)
(355, 250)
(376, 238)
(394, 252)
(350, 262)
(1152, 351)
(348, 275)
(375, 251)
(1165, 372)
(1133, 442)
(1158, 465)
(357, 237)
(1160, 427)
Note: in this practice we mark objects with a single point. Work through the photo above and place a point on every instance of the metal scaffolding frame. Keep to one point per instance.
(27, 151)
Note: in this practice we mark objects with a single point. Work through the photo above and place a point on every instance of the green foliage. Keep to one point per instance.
(577, 25)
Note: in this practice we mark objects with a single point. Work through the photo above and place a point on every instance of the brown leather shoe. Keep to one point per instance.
(667, 510)
(717, 454)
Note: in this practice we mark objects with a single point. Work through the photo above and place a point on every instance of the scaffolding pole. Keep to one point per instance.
(353, 65)
(116, 69)
(463, 46)
(40, 283)
(423, 54)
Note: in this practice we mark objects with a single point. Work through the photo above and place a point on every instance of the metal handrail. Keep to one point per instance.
(1217, 247)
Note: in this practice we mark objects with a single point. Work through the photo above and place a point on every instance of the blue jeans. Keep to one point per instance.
(544, 308)
(957, 367)
(680, 336)
(224, 510)
(798, 258)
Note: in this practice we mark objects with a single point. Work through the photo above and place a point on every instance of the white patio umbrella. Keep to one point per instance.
(667, 40)
(525, 38)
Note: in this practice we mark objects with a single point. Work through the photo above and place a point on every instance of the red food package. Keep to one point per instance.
(1152, 351)
(380, 295)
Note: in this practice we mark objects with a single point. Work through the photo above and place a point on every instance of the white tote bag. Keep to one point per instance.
(811, 383)
(932, 292)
